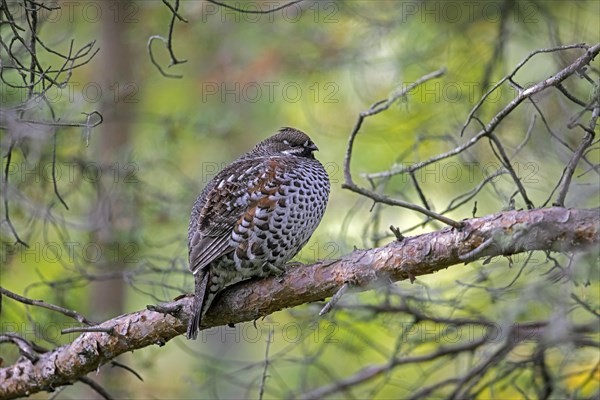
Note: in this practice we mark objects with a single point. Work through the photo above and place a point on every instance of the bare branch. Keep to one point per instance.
(5, 190)
(373, 371)
(553, 229)
(263, 379)
(40, 303)
(334, 299)
(247, 11)
(501, 154)
(375, 109)
(97, 387)
(168, 42)
(518, 67)
(570, 168)
(554, 80)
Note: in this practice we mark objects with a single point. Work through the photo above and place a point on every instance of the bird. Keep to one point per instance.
(254, 216)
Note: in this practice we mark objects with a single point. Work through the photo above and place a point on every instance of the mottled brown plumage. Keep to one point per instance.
(255, 215)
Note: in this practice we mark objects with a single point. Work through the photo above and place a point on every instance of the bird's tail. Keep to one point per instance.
(202, 278)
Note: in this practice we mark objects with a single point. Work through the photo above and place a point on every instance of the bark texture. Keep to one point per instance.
(502, 234)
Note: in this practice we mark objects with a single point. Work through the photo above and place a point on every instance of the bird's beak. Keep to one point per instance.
(313, 147)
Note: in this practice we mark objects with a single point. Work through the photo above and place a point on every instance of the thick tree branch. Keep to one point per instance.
(551, 229)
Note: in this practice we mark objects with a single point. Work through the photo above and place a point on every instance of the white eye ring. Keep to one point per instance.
(286, 142)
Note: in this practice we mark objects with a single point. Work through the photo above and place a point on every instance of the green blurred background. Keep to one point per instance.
(314, 66)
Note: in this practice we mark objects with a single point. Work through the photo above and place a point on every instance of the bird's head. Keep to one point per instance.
(287, 141)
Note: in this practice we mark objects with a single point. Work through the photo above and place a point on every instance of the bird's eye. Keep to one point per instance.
(286, 142)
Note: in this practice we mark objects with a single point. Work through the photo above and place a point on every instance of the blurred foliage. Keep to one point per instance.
(314, 66)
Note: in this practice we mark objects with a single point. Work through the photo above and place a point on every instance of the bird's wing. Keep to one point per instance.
(222, 207)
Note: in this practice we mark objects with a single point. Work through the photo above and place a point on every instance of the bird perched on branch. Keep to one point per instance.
(254, 216)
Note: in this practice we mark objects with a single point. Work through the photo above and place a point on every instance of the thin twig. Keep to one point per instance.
(506, 162)
(168, 42)
(97, 387)
(570, 168)
(54, 180)
(370, 372)
(541, 229)
(6, 193)
(25, 347)
(263, 379)
(514, 72)
(116, 364)
(247, 11)
(109, 330)
(43, 304)
(375, 109)
(334, 299)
